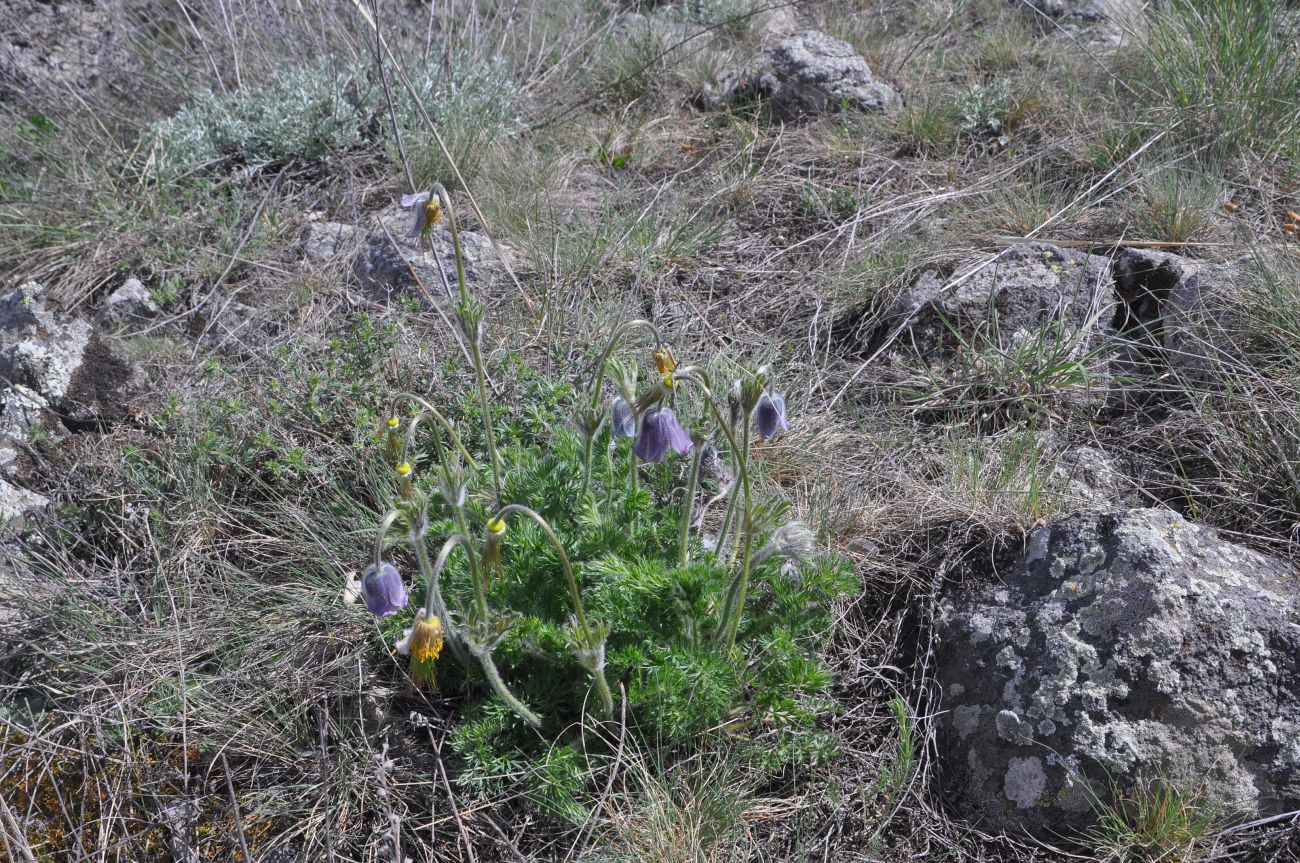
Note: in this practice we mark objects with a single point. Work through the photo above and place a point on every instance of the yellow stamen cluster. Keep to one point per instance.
(426, 640)
(394, 422)
(665, 362)
(496, 525)
(432, 213)
(404, 469)
(426, 647)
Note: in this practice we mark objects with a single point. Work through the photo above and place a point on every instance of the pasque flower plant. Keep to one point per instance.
(505, 600)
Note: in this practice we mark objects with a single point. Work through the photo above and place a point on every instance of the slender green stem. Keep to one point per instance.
(433, 412)
(585, 634)
(564, 561)
(740, 585)
(488, 435)
(609, 464)
(596, 373)
(588, 452)
(606, 696)
(434, 605)
(688, 504)
(476, 353)
(475, 572)
(733, 494)
(445, 199)
(498, 685)
(743, 458)
(381, 534)
(734, 604)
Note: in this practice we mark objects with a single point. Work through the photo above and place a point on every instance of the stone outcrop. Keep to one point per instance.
(1121, 647)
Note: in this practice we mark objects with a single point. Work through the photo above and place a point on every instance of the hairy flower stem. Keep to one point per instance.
(472, 336)
(481, 654)
(498, 685)
(434, 605)
(588, 454)
(597, 373)
(733, 494)
(585, 633)
(488, 435)
(433, 412)
(734, 604)
(475, 571)
(688, 503)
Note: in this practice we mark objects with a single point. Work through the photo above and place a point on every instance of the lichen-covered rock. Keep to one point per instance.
(804, 74)
(1036, 291)
(39, 348)
(325, 241)
(1104, 21)
(51, 47)
(18, 503)
(385, 263)
(1121, 647)
(130, 304)
(1164, 299)
(1091, 478)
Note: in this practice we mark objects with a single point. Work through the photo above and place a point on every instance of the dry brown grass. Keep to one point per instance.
(742, 237)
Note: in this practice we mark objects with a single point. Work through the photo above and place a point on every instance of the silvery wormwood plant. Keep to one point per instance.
(439, 493)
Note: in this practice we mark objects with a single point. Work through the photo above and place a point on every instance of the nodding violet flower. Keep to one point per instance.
(769, 416)
(383, 589)
(423, 643)
(622, 420)
(428, 211)
(660, 431)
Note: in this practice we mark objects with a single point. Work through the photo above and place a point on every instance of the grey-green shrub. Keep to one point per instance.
(310, 114)
(301, 113)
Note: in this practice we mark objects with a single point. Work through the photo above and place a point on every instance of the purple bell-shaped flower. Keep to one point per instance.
(383, 590)
(428, 211)
(769, 416)
(660, 431)
(622, 422)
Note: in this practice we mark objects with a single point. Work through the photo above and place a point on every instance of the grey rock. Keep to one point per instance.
(812, 73)
(48, 49)
(1121, 647)
(1092, 478)
(21, 411)
(774, 24)
(129, 304)
(1033, 291)
(1089, 11)
(39, 348)
(1107, 22)
(1165, 301)
(325, 241)
(385, 263)
(18, 503)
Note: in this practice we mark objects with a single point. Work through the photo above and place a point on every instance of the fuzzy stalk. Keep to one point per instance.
(434, 604)
(498, 685)
(734, 604)
(433, 412)
(584, 628)
(597, 373)
(476, 353)
(688, 504)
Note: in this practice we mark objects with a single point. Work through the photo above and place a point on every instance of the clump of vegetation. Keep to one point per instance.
(1225, 72)
(302, 113)
(987, 112)
(310, 114)
(559, 580)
